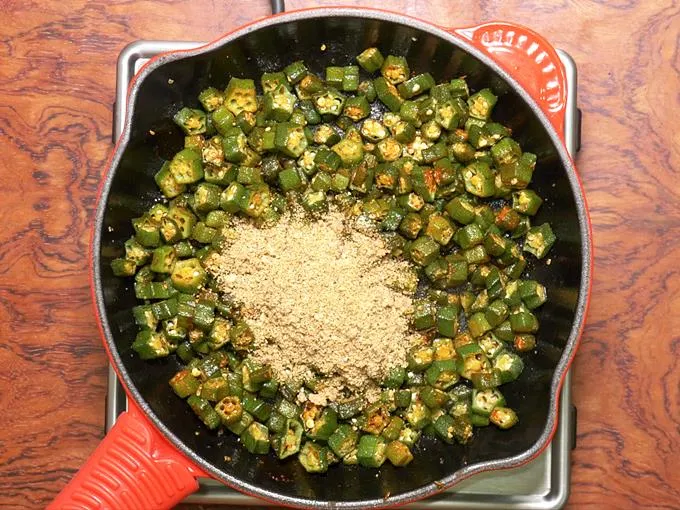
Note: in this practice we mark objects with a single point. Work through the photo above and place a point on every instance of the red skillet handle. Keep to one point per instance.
(529, 59)
(133, 467)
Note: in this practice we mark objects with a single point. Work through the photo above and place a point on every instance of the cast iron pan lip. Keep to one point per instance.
(581, 307)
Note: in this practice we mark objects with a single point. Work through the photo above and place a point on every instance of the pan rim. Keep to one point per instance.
(580, 311)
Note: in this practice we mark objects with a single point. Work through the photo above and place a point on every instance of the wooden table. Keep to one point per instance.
(57, 70)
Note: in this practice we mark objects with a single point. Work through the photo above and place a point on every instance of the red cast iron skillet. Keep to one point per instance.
(154, 453)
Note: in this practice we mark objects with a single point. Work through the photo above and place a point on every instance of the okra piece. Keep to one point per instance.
(417, 85)
(524, 342)
(350, 78)
(478, 324)
(152, 290)
(434, 398)
(319, 424)
(313, 457)
(507, 219)
(495, 244)
(459, 88)
(496, 313)
(393, 428)
(207, 197)
(503, 417)
(445, 427)
(183, 383)
(451, 114)
(447, 321)
(395, 69)
(203, 233)
(518, 174)
(417, 414)
(420, 357)
(232, 197)
(461, 210)
(526, 201)
(167, 183)
(256, 438)
(373, 130)
(491, 345)
(240, 95)
(144, 317)
(271, 81)
(504, 331)
(150, 345)
(350, 408)
(313, 200)
(388, 150)
(260, 409)
(539, 240)
(214, 389)
(222, 119)
(395, 378)
(241, 336)
(356, 108)
(371, 451)
(424, 250)
(443, 349)
(370, 60)
(437, 270)
(186, 167)
(204, 411)
(295, 71)
(192, 122)
(388, 94)
(424, 182)
(326, 134)
(480, 104)
(239, 426)
(469, 236)
(123, 267)
(329, 102)
(309, 85)
(509, 365)
(484, 401)
(290, 139)
(479, 179)
(344, 440)
(289, 179)
(523, 227)
(458, 270)
(523, 321)
(164, 309)
(334, 76)
(442, 374)
(367, 89)
(290, 439)
(188, 275)
(533, 294)
(398, 453)
(279, 104)
(350, 150)
(211, 99)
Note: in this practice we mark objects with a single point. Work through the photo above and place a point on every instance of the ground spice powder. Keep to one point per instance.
(320, 298)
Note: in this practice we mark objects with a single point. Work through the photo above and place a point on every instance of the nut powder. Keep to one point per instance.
(319, 296)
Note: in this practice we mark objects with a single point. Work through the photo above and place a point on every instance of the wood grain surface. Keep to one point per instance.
(57, 72)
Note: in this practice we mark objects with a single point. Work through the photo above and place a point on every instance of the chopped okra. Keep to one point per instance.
(422, 167)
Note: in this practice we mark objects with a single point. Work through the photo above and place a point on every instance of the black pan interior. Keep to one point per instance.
(270, 48)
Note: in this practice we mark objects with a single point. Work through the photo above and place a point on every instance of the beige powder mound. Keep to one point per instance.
(319, 297)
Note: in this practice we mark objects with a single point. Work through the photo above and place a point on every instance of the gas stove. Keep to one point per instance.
(542, 484)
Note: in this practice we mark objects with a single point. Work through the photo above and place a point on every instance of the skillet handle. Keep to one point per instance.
(529, 59)
(133, 467)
